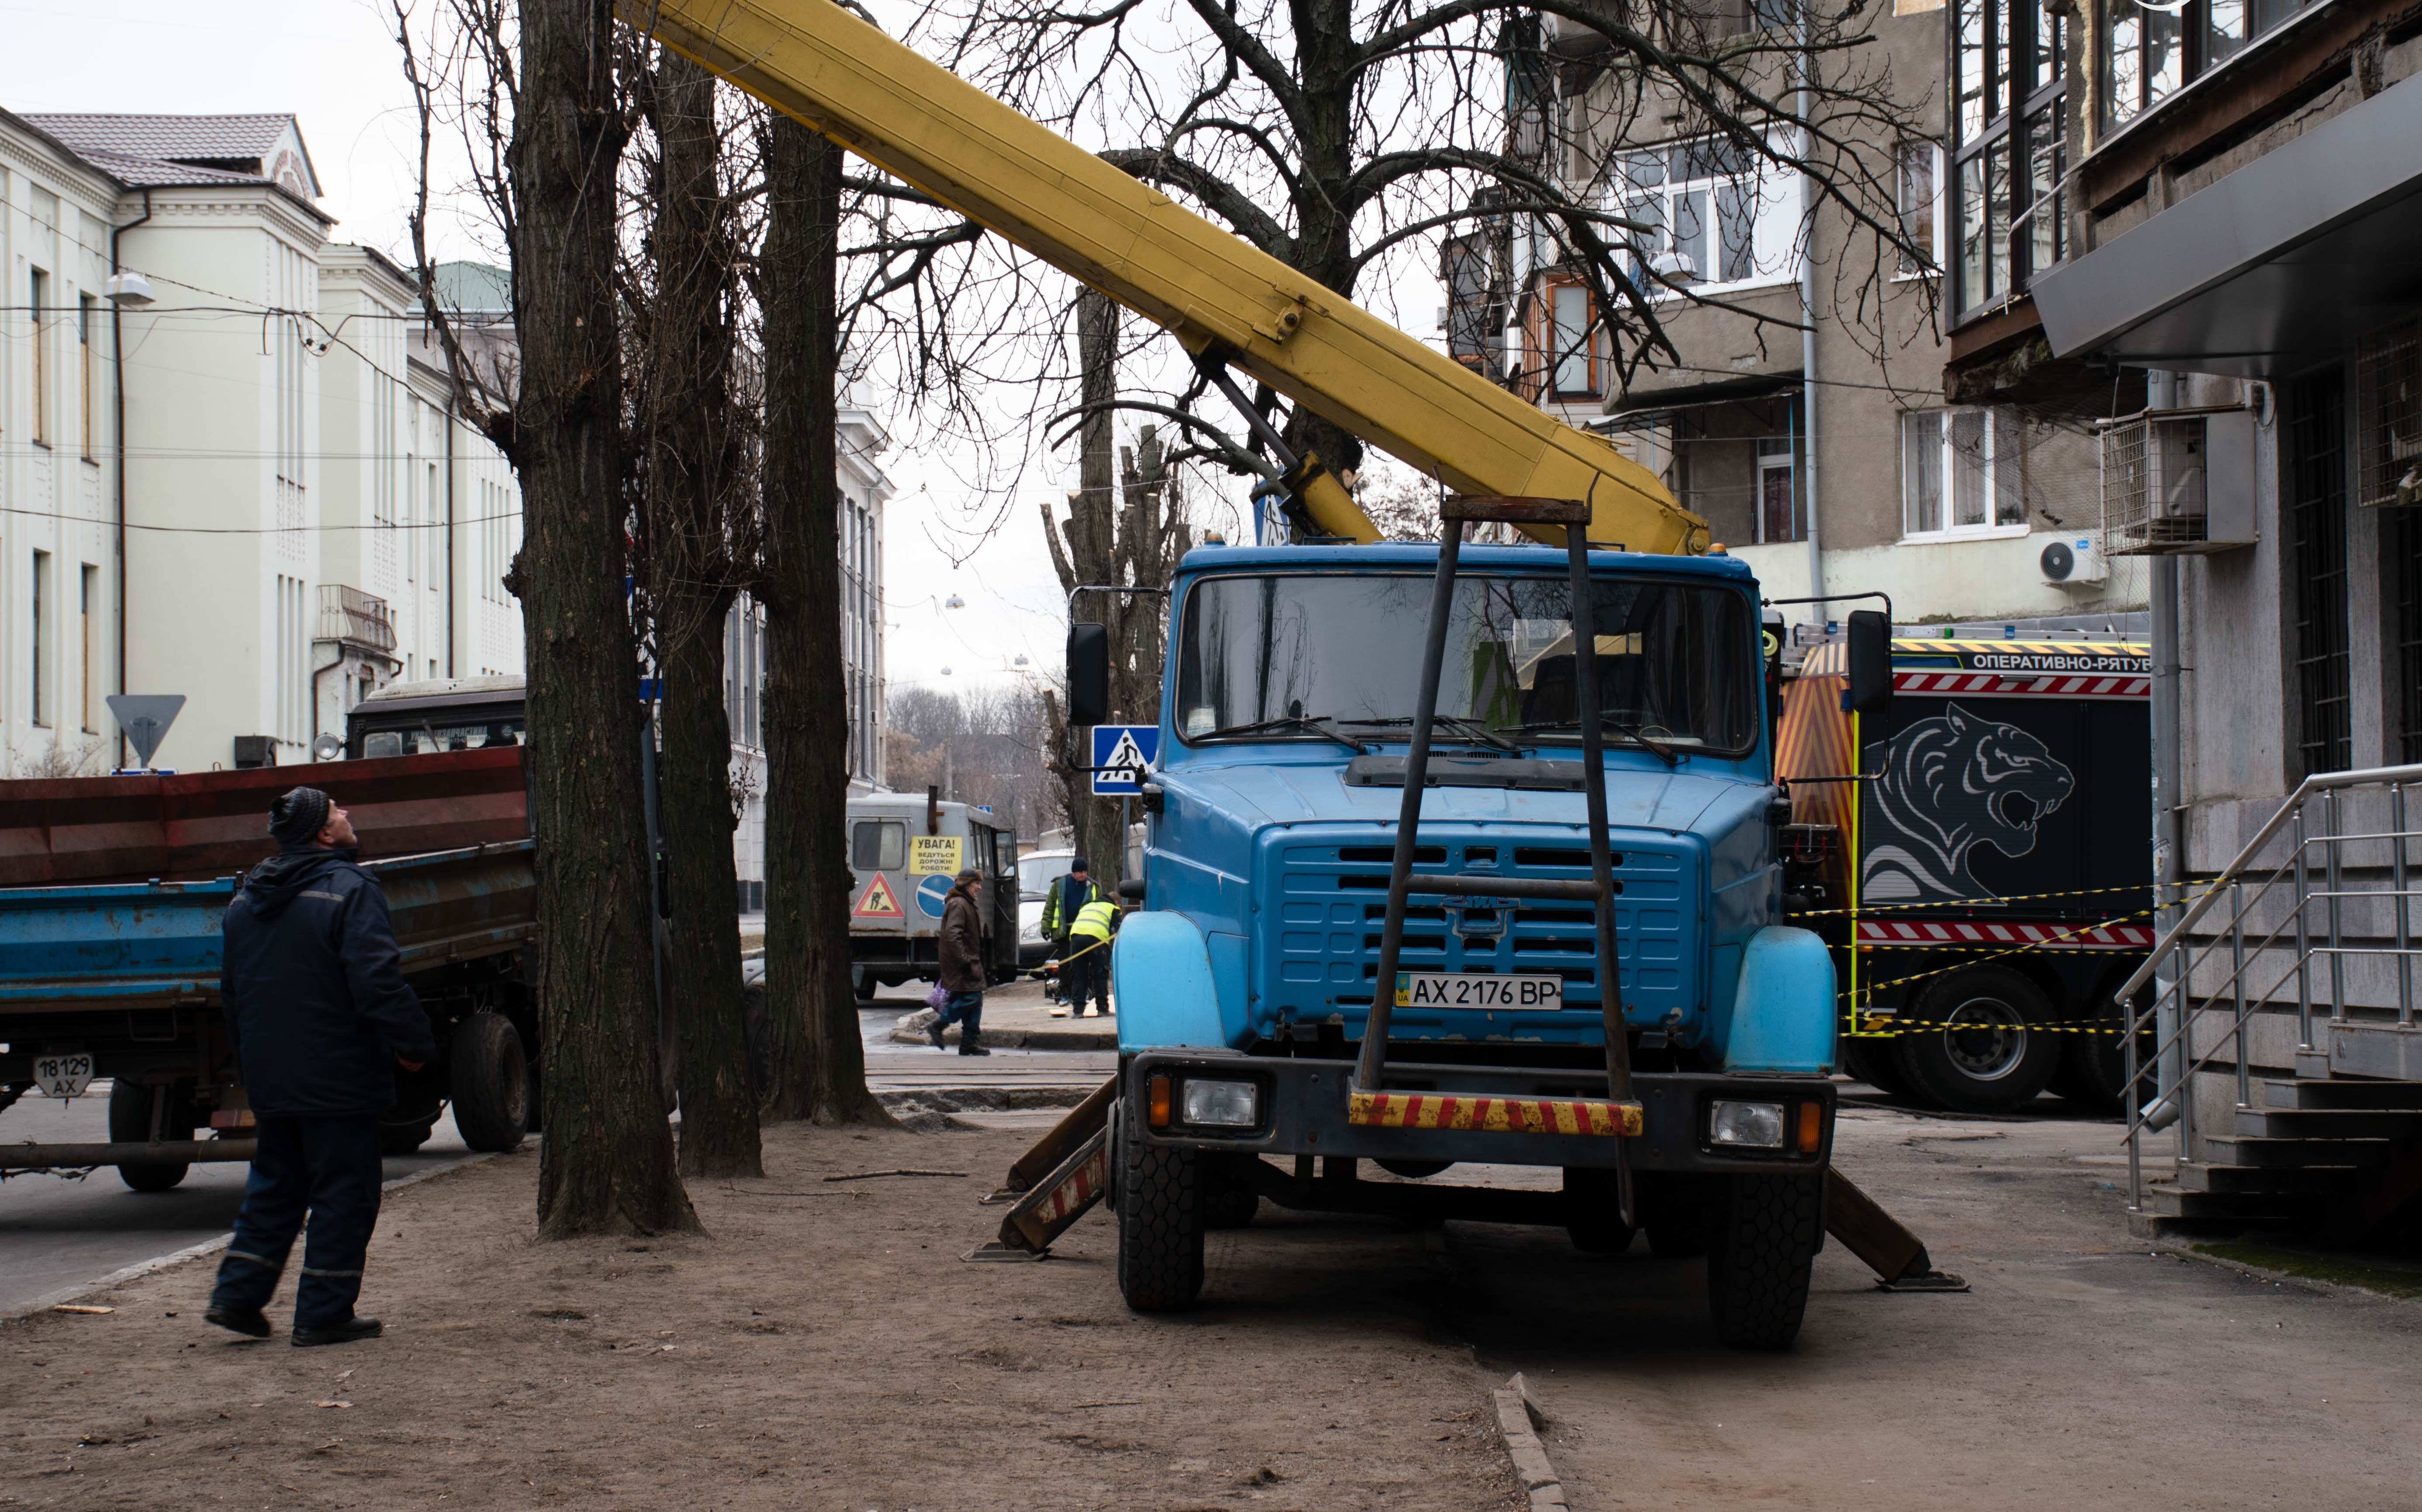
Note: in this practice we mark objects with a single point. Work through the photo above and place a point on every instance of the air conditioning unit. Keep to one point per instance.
(2072, 560)
(2178, 480)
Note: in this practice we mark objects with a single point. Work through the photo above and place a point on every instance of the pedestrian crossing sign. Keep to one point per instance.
(1122, 757)
(877, 901)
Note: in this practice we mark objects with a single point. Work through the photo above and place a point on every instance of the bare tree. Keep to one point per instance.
(542, 94)
(819, 1060)
(1338, 136)
(696, 503)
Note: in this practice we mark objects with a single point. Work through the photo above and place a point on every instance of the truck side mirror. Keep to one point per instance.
(1089, 675)
(1871, 668)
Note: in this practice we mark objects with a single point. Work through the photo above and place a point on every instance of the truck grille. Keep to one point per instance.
(1332, 902)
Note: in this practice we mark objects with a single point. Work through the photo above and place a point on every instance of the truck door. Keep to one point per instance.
(878, 863)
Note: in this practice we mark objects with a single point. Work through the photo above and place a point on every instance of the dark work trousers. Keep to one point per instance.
(966, 1011)
(329, 1166)
(1086, 974)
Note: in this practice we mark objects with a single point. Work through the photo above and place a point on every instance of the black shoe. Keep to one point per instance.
(934, 1032)
(249, 1321)
(970, 1045)
(345, 1332)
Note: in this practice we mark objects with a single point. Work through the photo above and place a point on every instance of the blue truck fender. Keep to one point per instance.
(1160, 966)
(1783, 1018)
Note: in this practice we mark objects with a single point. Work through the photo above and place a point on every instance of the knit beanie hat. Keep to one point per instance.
(298, 817)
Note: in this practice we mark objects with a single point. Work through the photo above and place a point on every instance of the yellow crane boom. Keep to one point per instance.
(1219, 295)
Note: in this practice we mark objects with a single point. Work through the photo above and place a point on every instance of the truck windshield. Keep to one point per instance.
(1676, 660)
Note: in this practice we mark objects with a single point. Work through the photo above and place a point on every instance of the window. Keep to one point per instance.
(83, 374)
(1959, 473)
(41, 602)
(879, 845)
(435, 534)
(1701, 202)
(2312, 495)
(88, 626)
(2149, 54)
(1571, 341)
(41, 366)
(2009, 148)
(1921, 205)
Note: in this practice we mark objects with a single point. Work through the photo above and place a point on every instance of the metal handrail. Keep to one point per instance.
(2172, 1102)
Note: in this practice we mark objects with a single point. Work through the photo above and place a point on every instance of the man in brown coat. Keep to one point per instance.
(963, 966)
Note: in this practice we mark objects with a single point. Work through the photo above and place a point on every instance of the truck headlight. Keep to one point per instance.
(1756, 1124)
(1223, 1104)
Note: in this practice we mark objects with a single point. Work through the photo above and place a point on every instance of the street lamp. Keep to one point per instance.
(130, 289)
(954, 601)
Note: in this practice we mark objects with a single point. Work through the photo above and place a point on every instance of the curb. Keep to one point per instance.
(1519, 1418)
(208, 1247)
(910, 1029)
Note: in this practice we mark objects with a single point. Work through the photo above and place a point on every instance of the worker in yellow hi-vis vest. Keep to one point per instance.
(1087, 965)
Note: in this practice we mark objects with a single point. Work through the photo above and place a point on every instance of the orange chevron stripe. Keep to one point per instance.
(1496, 1116)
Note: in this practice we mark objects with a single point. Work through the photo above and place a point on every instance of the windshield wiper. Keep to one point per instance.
(1310, 722)
(1629, 732)
(1471, 730)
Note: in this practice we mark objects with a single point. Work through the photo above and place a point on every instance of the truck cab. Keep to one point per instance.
(1249, 972)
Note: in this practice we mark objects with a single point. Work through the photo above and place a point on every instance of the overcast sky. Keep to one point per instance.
(334, 64)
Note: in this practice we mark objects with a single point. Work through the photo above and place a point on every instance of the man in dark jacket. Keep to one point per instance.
(315, 1001)
(962, 975)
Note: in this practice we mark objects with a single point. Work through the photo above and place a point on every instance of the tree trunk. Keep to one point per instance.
(607, 1164)
(820, 1062)
(697, 527)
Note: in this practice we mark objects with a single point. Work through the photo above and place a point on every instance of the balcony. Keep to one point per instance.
(353, 617)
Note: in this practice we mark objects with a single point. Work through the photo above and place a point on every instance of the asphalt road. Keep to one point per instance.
(57, 1233)
(2083, 1370)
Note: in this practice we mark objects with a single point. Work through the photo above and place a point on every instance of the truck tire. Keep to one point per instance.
(1871, 1060)
(1973, 1052)
(865, 987)
(1160, 1227)
(1228, 1200)
(1595, 1199)
(2093, 1069)
(490, 1081)
(1763, 1245)
(129, 1122)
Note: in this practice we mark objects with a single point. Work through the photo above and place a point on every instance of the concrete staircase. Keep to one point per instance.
(2331, 1157)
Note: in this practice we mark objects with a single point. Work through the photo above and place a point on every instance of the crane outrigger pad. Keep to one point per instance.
(1060, 1198)
(1509, 1116)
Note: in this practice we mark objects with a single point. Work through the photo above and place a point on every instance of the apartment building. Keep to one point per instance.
(263, 507)
(1828, 459)
(2232, 224)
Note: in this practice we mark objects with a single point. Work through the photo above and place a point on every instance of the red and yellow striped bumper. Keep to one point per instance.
(1503, 1115)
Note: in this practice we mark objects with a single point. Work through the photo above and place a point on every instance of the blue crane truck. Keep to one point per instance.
(1576, 898)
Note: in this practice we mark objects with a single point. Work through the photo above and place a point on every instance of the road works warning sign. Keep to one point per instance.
(932, 856)
(877, 901)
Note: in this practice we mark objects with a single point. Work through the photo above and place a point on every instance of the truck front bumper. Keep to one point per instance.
(1301, 1109)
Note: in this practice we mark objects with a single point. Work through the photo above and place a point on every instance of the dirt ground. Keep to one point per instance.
(823, 1347)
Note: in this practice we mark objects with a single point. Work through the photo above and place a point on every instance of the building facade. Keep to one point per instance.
(264, 507)
(2236, 207)
(863, 492)
(1829, 460)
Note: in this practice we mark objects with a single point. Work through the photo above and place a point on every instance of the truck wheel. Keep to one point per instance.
(2093, 1069)
(1596, 1199)
(490, 1082)
(1160, 1227)
(1871, 1060)
(865, 988)
(1762, 1248)
(1974, 1052)
(129, 1122)
(1228, 1200)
